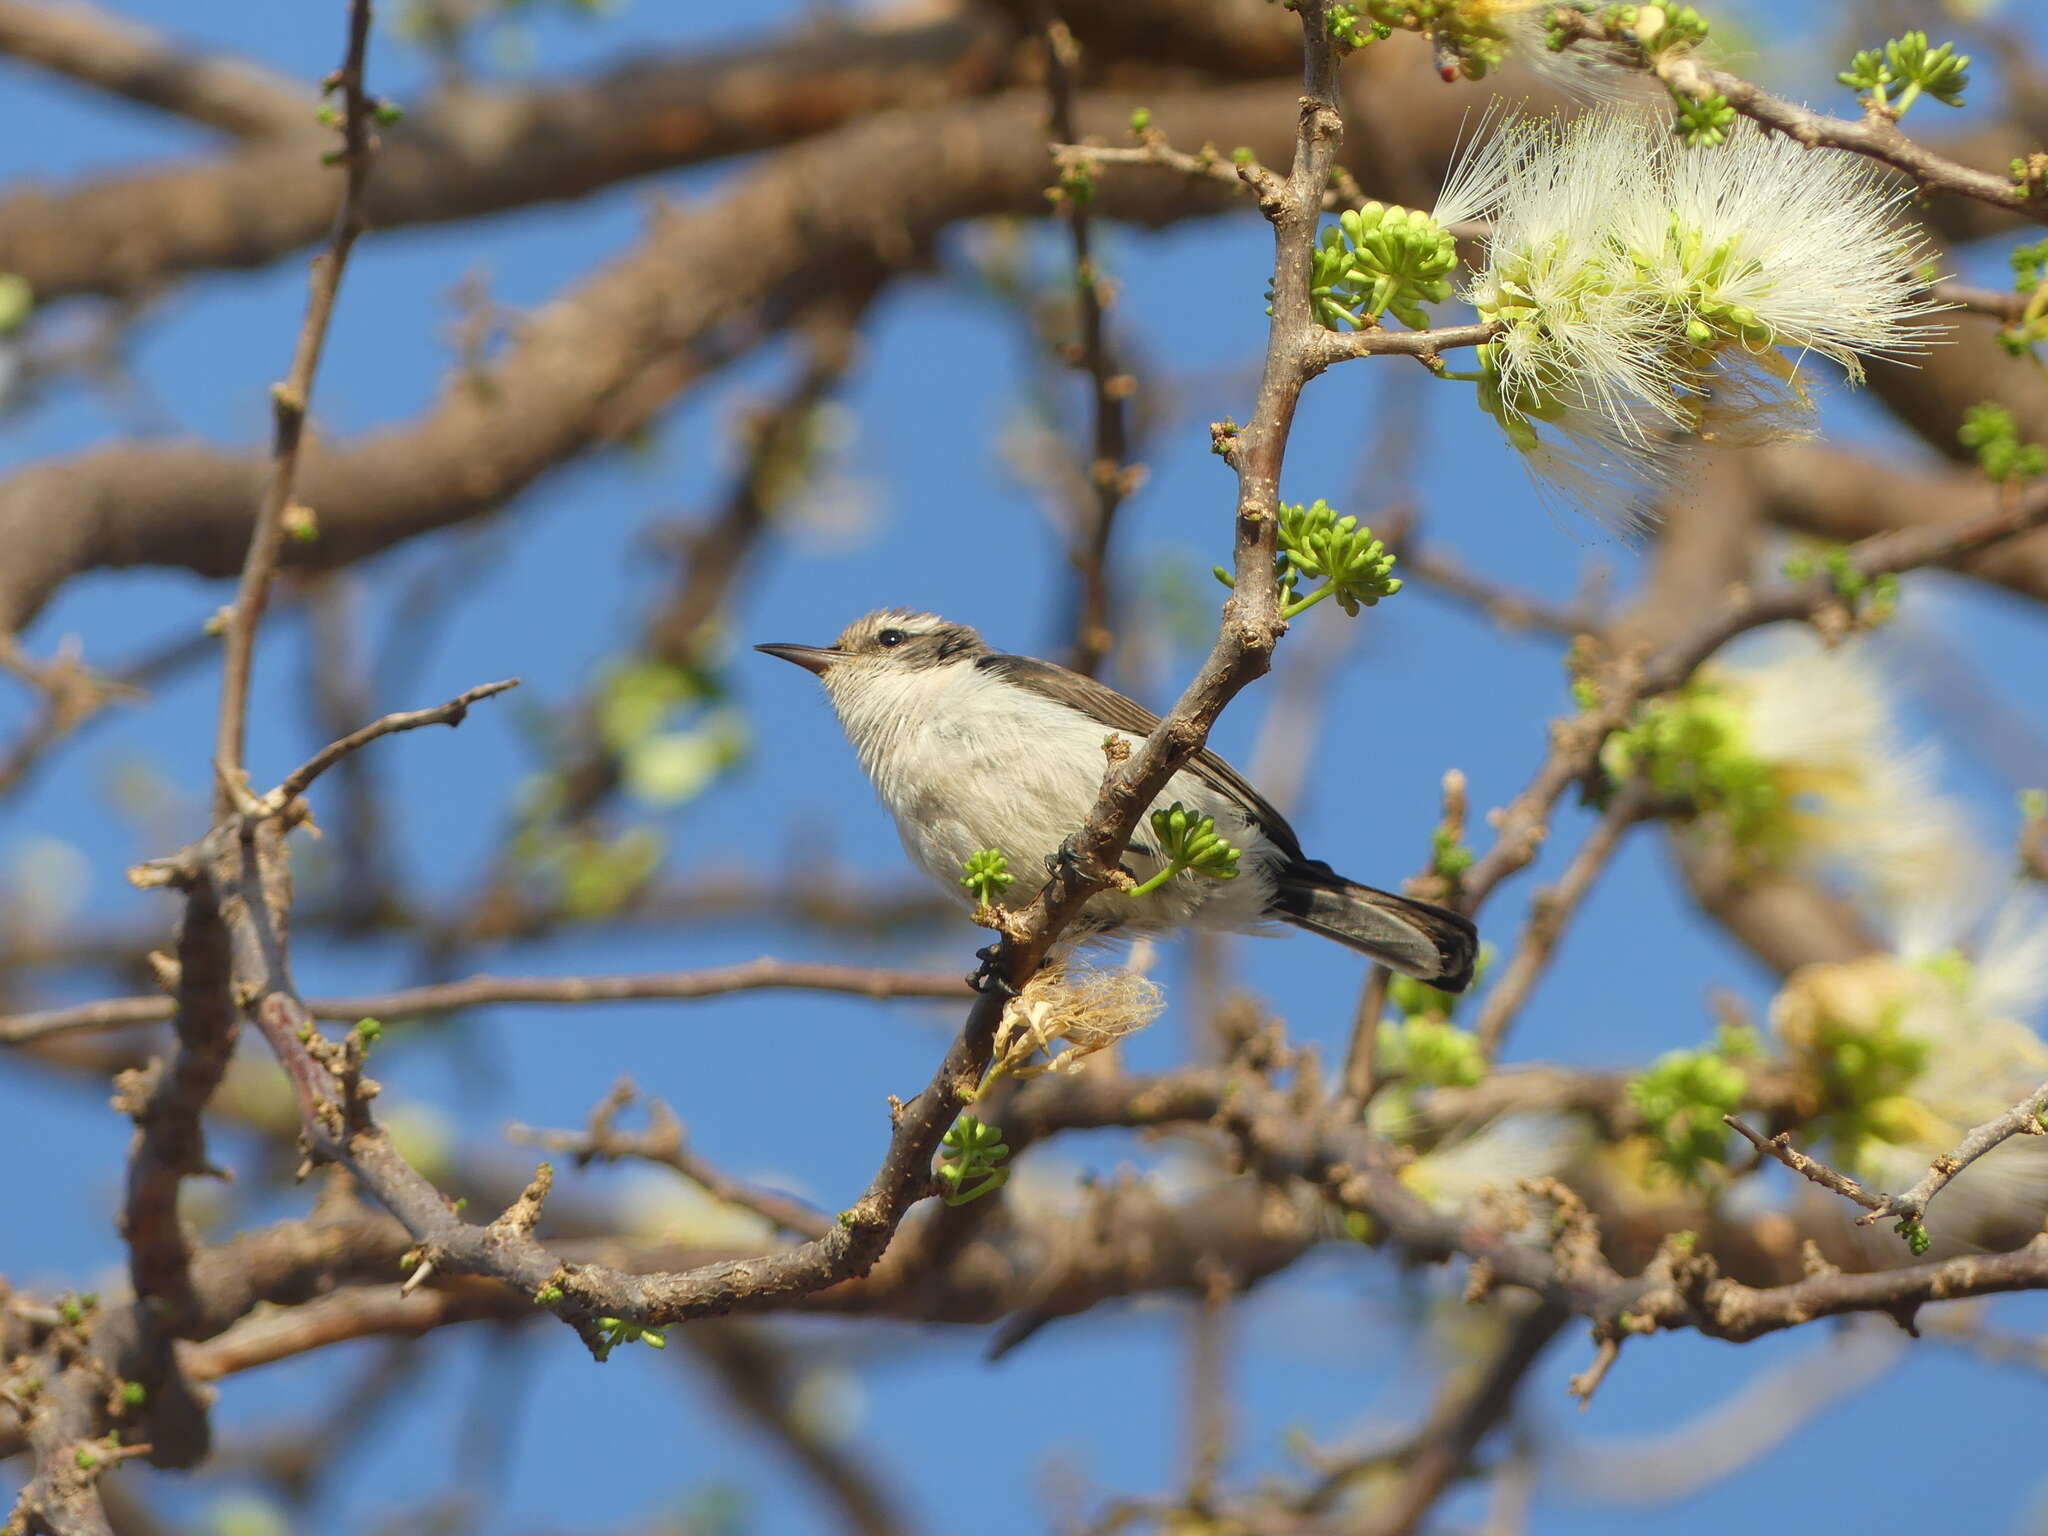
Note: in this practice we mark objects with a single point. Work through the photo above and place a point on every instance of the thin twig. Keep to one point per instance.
(451, 714)
(1468, 1407)
(1507, 607)
(1208, 1388)
(1551, 912)
(1876, 136)
(1811, 1168)
(1252, 624)
(290, 402)
(2023, 1119)
(1108, 477)
(1153, 149)
(2000, 303)
(1330, 347)
(760, 975)
(762, 1376)
(663, 1142)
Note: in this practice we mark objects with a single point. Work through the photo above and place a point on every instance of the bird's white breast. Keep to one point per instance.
(965, 761)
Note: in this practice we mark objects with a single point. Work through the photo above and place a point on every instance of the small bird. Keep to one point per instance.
(971, 749)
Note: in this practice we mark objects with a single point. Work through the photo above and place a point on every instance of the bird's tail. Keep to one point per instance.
(1430, 943)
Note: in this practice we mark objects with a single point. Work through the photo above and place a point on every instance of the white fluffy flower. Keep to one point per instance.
(1801, 248)
(1863, 799)
(1793, 756)
(1652, 293)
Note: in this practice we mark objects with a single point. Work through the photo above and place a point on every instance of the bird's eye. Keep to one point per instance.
(891, 637)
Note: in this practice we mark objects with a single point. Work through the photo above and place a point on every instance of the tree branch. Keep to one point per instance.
(761, 975)
(111, 53)
(1576, 741)
(1551, 912)
(1108, 477)
(290, 402)
(1877, 136)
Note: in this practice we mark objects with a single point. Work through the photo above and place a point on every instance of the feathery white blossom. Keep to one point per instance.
(1793, 755)
(1862, 797)
(1652, 293)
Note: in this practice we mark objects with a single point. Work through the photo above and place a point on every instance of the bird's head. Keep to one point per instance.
(890, 642)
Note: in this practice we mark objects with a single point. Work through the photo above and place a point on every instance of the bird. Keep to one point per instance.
(971, 750)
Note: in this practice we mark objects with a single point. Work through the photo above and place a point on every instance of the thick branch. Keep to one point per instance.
(112, 53)
(480, 151)
(603, 358)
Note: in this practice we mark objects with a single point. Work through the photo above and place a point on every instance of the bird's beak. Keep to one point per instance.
(812, 658)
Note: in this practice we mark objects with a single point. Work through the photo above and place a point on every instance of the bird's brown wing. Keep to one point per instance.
(1107, 707)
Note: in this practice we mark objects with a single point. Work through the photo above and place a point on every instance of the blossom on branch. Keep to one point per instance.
(1652, 295)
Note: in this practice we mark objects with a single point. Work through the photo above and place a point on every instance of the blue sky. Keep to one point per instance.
(793, 1087)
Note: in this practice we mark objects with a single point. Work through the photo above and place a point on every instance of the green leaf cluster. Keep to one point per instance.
(972, 1161)
(2029, 276)
(588, 875)
(1990, 431)
(1682, 1098)
(1908, 66)
(1863, 1073)
(1352, 28)
(665, 725)
(1188, 840)
(1691, 746)
(1448, 856)
(1871, 599)
(1430, 1052)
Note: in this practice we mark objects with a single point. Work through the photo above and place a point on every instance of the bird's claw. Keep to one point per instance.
(987, 978)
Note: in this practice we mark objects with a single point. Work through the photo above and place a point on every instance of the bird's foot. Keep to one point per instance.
(987, 978)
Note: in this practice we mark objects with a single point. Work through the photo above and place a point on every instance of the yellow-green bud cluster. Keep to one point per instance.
(986, 875)
(1990, 431)
(1382, 258)
(1356, 567)
(1190, 841)
(1908, 66)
